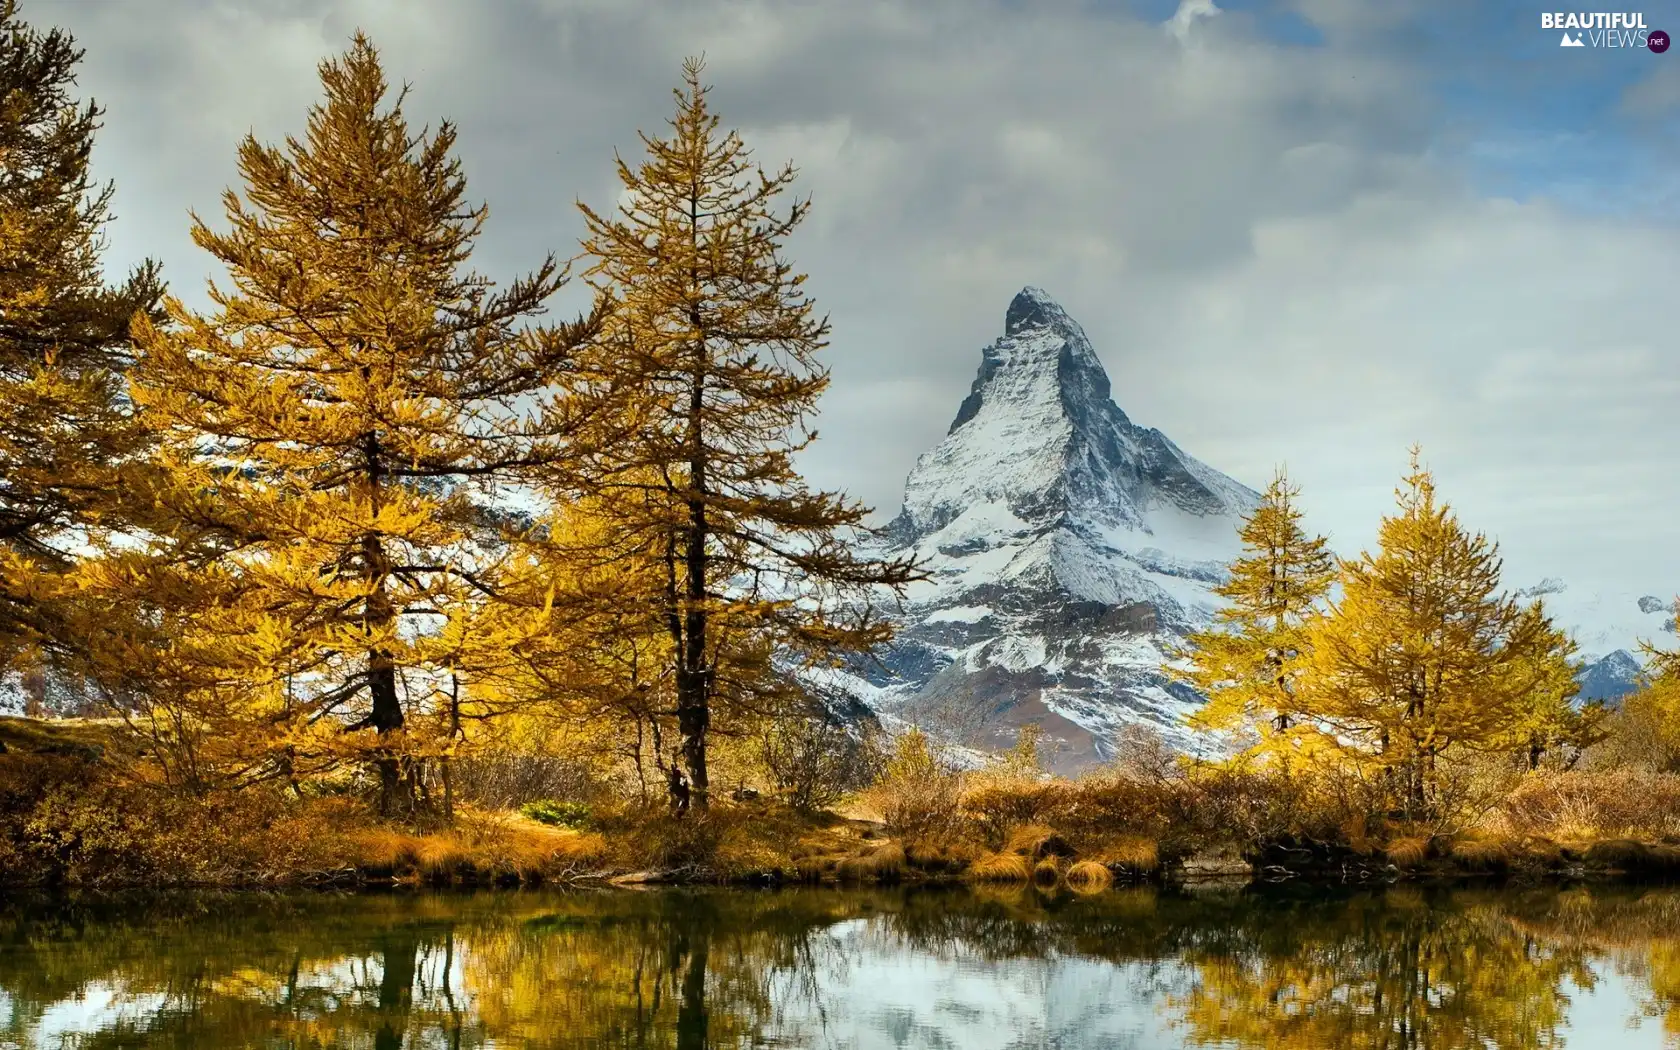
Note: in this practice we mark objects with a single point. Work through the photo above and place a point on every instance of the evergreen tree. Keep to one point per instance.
(1248, 664)
(601, 658)
(1550, 720)
(337, 428)
(66, 434)
(700, 391)
(1644, 730)
(1423, 654)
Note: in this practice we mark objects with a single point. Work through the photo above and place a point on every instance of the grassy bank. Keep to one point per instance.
(76, 810)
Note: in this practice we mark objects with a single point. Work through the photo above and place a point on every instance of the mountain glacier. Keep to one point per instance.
(1068, 548)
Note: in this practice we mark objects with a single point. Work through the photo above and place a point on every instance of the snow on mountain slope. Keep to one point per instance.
(1068, 547)
(1609, 626)
(1604, 621)
(1610, 678)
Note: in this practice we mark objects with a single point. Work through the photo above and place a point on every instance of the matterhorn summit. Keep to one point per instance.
(1068, 548)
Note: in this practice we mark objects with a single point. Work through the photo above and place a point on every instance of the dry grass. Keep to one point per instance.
(1036, 841)
(946, 858)
(1087, 876)
(482, 847)
(1634, 858)
(75, 812)
(1138, 855)
(1541, 851)
(1408, 851)
(1000, 867)
(1483, 852)
(1047, 873)
(883, 863)
(1591, 805)
(62, 735)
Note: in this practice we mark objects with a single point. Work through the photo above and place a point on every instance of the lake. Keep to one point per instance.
(1398, 968)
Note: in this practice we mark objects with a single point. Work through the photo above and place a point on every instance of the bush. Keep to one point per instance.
(558, 814)
(507, 780)
(1579, 804)
(814, 763)
(919, 793)
(997, 806)
(64, 821)
(688, 842)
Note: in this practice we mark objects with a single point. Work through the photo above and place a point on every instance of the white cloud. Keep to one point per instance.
(1188, 11)
(1259, 239)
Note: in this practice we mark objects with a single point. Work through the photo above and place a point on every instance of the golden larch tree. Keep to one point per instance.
(1644, 730)
(600, 665)
(701, 389)
(66, 433)
(338, 426)
(1249, 662)
(1551, 721)
(1423, 653)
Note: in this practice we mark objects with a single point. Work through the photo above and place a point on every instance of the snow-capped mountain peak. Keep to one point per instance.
(1067, 544)
(1040, 432)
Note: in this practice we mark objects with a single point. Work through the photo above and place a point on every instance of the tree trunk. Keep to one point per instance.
(387, 717)
(387, 714)
(693, 719)
(693, 1019)
(694, 680)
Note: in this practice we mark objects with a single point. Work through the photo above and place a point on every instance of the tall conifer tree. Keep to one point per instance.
(1551, 721)
(701, 388)
(1249, 662)
(65, 429)
(337, 425)
(1423, 653)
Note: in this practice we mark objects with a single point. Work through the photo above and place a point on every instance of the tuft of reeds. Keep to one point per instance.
(1000, 867)
(1138, 856)
(1088, 876)
(1047, 873)
(1408, 851)
(883, 863)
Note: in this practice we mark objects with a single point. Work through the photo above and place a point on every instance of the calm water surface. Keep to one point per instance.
(810, 968)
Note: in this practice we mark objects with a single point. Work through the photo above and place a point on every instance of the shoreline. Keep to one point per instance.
(624, 880)
(75, 816)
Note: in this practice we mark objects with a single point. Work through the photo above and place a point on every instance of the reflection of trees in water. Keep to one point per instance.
(1638, 933)
(1397, 971)
(1394, 971)
(583, 970)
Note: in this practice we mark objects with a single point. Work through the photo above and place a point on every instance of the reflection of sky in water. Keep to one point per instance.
(102, 1005)
(900, 1000)
(812, 977)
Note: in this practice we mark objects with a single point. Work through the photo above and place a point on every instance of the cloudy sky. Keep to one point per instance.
(1302, 231)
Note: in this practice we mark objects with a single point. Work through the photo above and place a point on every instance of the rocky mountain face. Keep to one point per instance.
(1069, 548)
(1610, 677)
